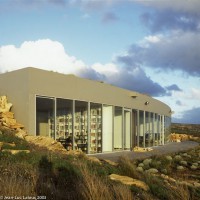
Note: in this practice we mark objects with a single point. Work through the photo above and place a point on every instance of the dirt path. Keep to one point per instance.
(159, 150)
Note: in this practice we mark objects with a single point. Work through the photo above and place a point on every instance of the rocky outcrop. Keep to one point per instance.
(129, 181)
(4, 105)
(8, 122)
(174, 137)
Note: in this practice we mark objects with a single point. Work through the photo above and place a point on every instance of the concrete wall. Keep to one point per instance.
(21, 87)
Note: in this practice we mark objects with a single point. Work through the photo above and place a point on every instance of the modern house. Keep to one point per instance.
(89, 115)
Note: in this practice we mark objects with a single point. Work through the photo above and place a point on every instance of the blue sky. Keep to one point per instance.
(151, 46)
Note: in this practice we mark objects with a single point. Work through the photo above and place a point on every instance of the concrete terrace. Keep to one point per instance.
(158, 150)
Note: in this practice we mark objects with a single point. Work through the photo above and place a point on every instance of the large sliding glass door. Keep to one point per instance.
(107, 128)
(45, 120)
(127, 129)
(95, 128)
(81, 126)
(118, 128)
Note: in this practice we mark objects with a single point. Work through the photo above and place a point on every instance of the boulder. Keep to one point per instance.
(110, 162)
(4, 105)
(15, 151)
(94, 159)
(21, 133)
(129, 181)
(152, 171)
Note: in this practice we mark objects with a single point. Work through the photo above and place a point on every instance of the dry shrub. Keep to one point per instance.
(128, 168)
(16, 186)
(180, 192)
(93, 187)
(17, 183)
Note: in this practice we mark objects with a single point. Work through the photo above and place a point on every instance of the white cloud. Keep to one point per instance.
(51, 55)
(45, 54)
(107, 69)
(152, 38)
(195, 93)
(177, 5)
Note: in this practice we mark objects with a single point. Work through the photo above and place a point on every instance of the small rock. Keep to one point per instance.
(15, 151)
(139, 169)
(179, 167)
(152, 171)
(94, 159)
(110, 162)
(183, 162)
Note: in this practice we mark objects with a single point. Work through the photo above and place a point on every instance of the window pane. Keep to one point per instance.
(64, 122)
(45, 125)
(95, 128)
(81, 125)
(107, 127)
(118, 128)
(127, 129)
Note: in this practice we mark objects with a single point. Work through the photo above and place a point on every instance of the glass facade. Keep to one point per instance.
(107, 119)
(81, 126)
(127, 129)
(96, 128)
(118, 128)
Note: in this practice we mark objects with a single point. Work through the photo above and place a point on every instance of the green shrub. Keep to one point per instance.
(10, 138)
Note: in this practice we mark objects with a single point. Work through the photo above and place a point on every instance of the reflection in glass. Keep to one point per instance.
(127, 129)
(107, 127)
(95, 128)
(64, 122)
(45, 125)
(81, 125)
(118, 128)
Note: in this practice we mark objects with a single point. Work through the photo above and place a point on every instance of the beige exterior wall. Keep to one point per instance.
(21, 87)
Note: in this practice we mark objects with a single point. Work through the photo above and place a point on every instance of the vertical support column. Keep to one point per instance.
(55, 122)
(163, 129)
(144, 128)
(123, 132)
(153, 130)
(88, 128)
(159, 121)
(73, 120)
(149, 128)
(131, 129)
(138, 128)
(101, 128)
(113, 133)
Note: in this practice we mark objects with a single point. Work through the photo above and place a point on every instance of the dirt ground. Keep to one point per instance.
(158, 150)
